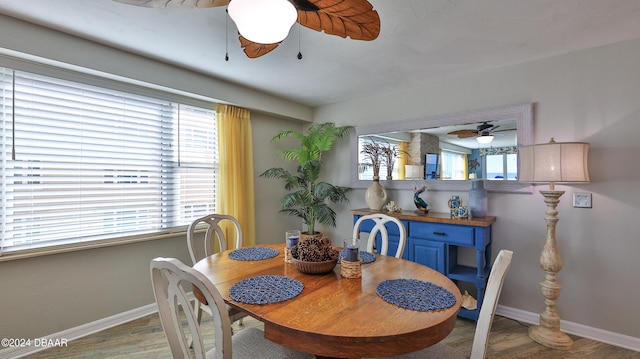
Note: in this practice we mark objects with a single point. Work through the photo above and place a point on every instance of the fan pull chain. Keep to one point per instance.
(226, 36)
(299, 51)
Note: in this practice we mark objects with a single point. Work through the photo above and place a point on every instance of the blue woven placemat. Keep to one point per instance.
(365, 256)
(265, 289)
(415, 294)
(253, 253)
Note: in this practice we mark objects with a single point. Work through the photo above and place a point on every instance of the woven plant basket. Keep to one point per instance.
(314, 267)
(305, 235)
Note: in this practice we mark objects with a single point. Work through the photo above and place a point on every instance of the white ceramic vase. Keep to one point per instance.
(376, 195)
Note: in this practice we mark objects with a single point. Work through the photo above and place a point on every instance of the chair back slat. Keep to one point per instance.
(379, 227)
(214, 233)
(171, 279)
(494, 286)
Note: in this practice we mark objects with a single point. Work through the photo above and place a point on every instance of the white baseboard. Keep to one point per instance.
(81, 331)
(619, 340)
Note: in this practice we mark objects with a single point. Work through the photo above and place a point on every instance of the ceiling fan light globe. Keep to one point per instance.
(484, 139)
(263, 21)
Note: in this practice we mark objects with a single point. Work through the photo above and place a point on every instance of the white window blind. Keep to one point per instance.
(83, 163)
(453, 165)
(198, 169)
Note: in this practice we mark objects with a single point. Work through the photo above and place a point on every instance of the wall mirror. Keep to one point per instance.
(455, 139)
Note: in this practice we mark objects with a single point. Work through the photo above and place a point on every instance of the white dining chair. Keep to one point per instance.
(172, 281)
(483, 327)
(381, 220)
(199, 248)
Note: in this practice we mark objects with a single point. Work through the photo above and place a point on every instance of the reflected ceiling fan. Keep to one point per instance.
(484, 129)
(355, 19)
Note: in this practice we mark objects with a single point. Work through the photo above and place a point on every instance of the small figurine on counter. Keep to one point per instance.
(458, 211)
(422, 206)
(392, 206)
(453, 204)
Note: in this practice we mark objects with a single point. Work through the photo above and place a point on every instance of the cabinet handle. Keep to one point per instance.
(440, 233)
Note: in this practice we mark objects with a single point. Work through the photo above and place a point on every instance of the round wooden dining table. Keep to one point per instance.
(339, 317)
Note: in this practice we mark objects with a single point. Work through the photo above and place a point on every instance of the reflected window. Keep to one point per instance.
(365, 168)
(454, 166)
(501, 167)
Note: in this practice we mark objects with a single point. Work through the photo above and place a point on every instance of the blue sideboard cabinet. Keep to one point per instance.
(434, 240)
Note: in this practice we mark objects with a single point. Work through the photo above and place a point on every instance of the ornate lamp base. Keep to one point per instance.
(550, 338)
(548, 332)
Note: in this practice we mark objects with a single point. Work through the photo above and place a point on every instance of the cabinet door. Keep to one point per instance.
(428, 253)
(392, 245)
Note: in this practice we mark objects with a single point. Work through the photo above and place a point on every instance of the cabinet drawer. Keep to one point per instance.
(452, 234)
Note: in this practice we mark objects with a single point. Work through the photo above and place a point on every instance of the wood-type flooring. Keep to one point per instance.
(144, 338)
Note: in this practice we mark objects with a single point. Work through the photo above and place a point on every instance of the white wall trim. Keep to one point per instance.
(619, 340)
(81, 331)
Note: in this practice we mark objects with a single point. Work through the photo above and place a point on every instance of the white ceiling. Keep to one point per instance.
(420, 40)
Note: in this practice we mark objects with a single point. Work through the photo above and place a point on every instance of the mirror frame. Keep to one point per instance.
(522, 113)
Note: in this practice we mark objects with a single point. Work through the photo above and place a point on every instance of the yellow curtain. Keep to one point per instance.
(465, 174)
(441, 165)
(235, 192)
(403, 159)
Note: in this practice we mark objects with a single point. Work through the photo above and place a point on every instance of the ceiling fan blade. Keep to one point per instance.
(463, 133)
(186, 4)
(345, 18)
(254, 49)
(468, 135)
(484, 126)
(506, 130)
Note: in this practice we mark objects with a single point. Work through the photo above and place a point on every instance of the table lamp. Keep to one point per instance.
(552, 163)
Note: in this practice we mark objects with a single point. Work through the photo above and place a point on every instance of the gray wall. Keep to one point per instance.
(48, 294)
(587, 96)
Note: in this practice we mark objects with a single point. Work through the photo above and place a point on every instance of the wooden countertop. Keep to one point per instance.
(434, 217)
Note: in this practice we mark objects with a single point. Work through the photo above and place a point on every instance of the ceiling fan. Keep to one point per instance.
(484, 129)
(355, 19)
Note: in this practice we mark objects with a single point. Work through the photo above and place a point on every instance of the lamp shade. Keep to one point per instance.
(263, 21)
(484, 139)
(553, 162)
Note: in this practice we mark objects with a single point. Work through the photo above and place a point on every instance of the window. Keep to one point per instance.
(83, 163)
(502, 167)
(365, 170)
(454, 166)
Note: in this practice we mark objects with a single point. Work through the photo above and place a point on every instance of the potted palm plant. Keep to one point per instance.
(309, 197)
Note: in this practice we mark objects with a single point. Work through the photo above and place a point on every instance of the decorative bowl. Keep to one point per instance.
(315, 267)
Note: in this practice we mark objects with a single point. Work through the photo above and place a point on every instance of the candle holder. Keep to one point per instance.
(351, 264)
(291, 238)
(351, 269)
